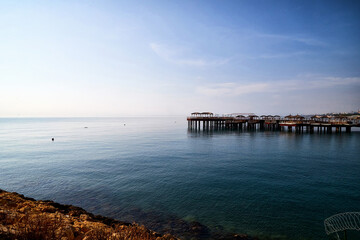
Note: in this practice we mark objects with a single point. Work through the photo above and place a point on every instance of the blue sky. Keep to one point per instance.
(121, 58)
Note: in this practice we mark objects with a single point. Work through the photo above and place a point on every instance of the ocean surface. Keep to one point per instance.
(154, 171)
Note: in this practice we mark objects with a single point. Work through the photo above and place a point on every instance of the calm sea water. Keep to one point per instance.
(149, 169)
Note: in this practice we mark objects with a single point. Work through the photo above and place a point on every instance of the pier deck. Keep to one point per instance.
(322, 123)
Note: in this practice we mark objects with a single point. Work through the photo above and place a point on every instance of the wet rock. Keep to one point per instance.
(199, 230)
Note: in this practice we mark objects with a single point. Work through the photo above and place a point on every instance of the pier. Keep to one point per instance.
(318, 123)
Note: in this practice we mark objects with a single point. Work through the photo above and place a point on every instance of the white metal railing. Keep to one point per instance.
(342, 222)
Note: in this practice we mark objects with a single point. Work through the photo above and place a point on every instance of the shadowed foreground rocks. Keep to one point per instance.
(23, 218)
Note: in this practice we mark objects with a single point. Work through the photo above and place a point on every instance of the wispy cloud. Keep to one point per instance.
(232, 89)
(305, 83)
(270, 45)
(279, 55)
(301, 39)
(176, 56)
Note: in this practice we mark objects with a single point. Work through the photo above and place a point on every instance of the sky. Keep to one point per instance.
(146, 58)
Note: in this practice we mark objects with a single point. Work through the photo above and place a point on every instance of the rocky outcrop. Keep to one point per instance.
(25, 218)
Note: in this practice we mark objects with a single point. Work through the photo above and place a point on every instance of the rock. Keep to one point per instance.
(46, 219)
(24, 209)
(48, 209)
(84, 217)
(66, 233)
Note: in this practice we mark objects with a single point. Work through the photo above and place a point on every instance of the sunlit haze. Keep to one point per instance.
(139, 58)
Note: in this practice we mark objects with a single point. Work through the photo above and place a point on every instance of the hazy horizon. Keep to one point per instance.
(121, 58)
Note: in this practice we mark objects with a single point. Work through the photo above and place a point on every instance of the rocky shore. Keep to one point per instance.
(24, 218)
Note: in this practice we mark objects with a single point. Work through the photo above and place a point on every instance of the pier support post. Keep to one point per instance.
(262, 125)
(311, 129)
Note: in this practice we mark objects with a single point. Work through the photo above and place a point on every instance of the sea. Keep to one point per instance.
(193, 184)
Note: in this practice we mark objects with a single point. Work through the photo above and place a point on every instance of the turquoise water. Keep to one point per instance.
(154, 171)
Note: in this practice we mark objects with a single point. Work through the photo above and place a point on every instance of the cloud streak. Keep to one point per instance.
(304, 40)
(282, 55)
(238, 89)
(267, 42)
(175, 55)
